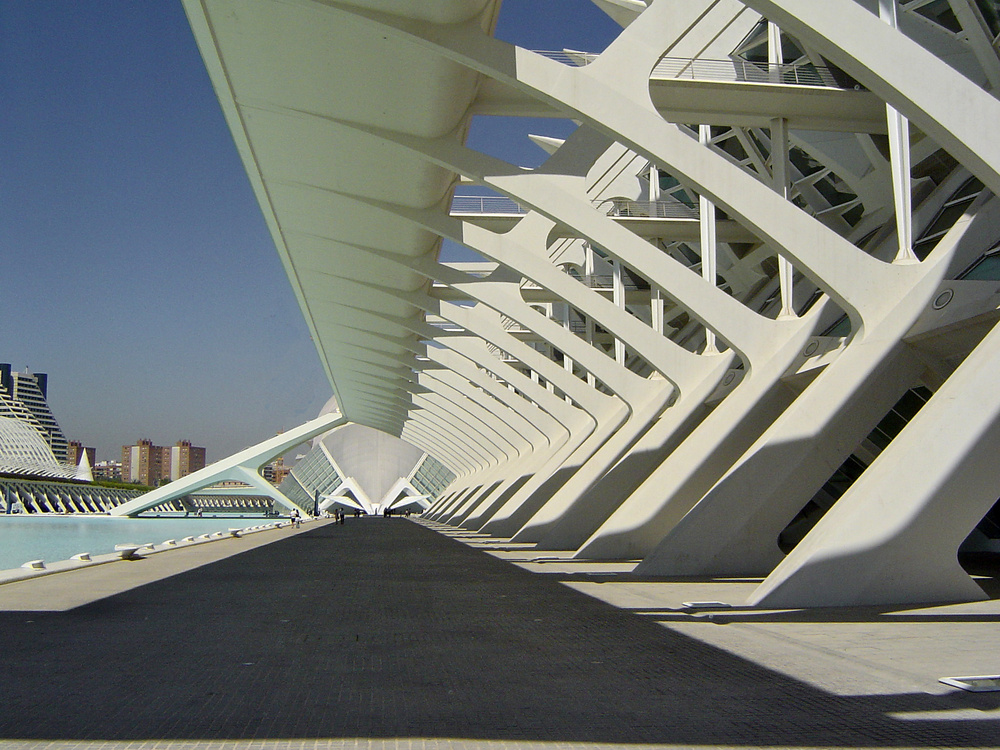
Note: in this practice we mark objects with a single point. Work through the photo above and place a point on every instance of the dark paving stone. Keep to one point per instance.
(383, 628)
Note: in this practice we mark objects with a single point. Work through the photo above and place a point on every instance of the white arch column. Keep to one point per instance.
(934, 482)
(243, 467)
(550, 432)
(578, 423)
(620, 106)
(472, 402)
(638, 395)
(645, 399)
(734, 530)
(606, 412)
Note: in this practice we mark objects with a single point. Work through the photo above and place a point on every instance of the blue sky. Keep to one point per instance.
(137, 270)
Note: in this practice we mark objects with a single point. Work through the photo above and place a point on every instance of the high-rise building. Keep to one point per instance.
(142, 463)
(276, 471)
(24, 396)
(183, 459)
(75, 450)
(149, 464)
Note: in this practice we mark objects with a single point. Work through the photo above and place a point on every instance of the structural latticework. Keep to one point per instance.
(740, 322)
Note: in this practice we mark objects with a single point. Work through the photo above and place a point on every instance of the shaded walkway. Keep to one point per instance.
(383, 628)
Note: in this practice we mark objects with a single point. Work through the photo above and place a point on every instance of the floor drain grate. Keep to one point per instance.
(975, 684)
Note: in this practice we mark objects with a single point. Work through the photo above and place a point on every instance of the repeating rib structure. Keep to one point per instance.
(740, 322)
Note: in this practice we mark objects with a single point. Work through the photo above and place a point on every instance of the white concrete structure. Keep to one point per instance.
(240, 467)
(24, 397)
(723, 299)
(356, 468)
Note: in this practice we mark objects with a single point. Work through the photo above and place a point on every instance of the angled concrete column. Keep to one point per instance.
(691, 469)
(893, 537)
(733, 530)
(597, 495)
(242, 466)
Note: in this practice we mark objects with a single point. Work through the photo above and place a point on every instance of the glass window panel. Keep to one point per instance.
(841, 328)
(985, 269)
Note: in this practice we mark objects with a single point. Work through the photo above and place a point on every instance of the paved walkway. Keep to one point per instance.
(389, 633)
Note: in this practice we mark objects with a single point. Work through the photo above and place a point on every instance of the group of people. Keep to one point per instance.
(339, 515)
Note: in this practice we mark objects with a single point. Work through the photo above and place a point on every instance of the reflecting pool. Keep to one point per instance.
(54, 538)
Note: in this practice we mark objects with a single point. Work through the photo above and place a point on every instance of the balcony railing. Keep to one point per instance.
(571, 57)
(486, 204)
(744, 72)
(606, 281)
(648, 209)
(474, 205)
(718, 70)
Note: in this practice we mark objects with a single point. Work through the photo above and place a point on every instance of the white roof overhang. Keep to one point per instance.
(303, 84)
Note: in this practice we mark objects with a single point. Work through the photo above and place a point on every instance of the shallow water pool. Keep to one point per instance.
(54, 538)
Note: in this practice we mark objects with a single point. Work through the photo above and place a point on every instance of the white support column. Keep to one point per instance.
(588, 271)
(899, 159)
(706, 223)
(781, 184)
(779, 164)
(567, 360)
(656, 308)
(774, 54)
(618, 296)
(893, 537)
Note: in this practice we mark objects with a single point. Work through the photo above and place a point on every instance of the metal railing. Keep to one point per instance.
(606, 281)
(745, 72)
(648, 209)
(486, 204)
(737, 70)
(573, 58)
(618, 207)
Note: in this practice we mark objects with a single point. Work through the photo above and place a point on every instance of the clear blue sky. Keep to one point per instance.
(137, 270)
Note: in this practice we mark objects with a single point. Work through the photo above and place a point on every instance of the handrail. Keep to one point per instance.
(486, 204)
(477, 205)
(573, 58)
(673, 209)
(736, 70)
(743, 71)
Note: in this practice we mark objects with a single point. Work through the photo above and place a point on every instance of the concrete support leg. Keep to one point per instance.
(592, 470)
(892, 538)
(733, 530)
(469, 497)
(457, 498)
(489, 503)
(515, 513)
(568, 526)
(501, 502)
(636, 527)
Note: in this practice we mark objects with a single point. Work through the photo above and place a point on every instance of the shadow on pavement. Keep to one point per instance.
(384, 628)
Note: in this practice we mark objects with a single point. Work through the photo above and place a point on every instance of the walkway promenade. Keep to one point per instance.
(390, 633)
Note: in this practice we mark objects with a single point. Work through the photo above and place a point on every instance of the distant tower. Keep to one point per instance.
(185, 459)
(142, 463)
(76, 451)
(148, 464)
(28, 392)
